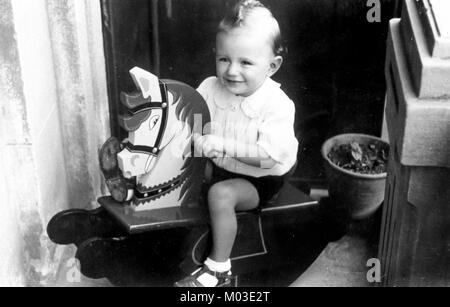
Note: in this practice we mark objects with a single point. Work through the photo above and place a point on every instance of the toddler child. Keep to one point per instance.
(252, 142)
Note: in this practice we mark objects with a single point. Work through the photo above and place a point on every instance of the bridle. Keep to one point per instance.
(145, 194)
(164, 106)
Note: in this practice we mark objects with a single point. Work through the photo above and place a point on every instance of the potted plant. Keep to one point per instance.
(355, 167)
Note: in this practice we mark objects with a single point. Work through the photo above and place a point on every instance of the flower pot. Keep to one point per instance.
(362, 194)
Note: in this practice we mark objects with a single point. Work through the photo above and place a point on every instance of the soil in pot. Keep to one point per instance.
(360, 158)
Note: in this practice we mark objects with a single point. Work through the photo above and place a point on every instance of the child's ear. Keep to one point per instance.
(275, 65)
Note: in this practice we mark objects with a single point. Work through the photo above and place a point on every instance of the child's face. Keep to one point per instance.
(244, 58)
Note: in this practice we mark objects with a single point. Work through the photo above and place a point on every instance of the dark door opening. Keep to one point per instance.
(334, 71)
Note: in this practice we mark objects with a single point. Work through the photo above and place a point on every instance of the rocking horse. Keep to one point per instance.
(153, 228)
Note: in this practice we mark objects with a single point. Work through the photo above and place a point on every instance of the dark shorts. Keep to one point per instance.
(267, 186)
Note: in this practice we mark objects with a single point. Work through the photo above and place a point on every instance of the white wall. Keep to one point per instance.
(10, 241)
(54, 116)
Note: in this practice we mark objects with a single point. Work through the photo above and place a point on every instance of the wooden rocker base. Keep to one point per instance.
(78, 225)
(151, 250)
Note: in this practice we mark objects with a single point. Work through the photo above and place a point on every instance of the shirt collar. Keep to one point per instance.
(251, 105)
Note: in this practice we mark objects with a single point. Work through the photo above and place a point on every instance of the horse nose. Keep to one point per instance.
(130, 163)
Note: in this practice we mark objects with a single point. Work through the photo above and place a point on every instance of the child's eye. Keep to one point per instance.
(224, 60)
(247, 63)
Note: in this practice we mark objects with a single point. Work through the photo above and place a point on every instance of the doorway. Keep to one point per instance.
(334, 69)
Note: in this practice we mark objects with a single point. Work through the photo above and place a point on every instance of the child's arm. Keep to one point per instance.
(276, 136)
(252, 154)
(276, 142)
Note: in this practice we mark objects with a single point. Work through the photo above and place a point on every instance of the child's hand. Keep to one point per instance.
(210, 145)
(213, 146)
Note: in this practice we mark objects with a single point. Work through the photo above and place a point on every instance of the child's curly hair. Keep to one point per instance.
(253, 13)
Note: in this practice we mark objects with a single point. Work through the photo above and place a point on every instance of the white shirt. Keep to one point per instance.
(265, 118)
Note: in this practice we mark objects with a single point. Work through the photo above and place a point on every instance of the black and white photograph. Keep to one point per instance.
(245, 144)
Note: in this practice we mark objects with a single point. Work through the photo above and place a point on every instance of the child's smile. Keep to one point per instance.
(233, 83)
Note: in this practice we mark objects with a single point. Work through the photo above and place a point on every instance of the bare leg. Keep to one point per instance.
(224, 199)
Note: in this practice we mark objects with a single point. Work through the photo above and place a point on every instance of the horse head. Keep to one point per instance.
(160, 120)
(146, 123)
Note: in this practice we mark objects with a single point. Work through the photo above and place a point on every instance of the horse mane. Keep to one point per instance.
(131, 122)
(188, 104)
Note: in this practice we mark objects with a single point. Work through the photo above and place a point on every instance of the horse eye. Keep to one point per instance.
(153, 121)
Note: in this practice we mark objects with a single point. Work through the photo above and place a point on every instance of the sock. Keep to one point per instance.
(218, 266)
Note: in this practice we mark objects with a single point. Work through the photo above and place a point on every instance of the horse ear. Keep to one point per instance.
(147, 82)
